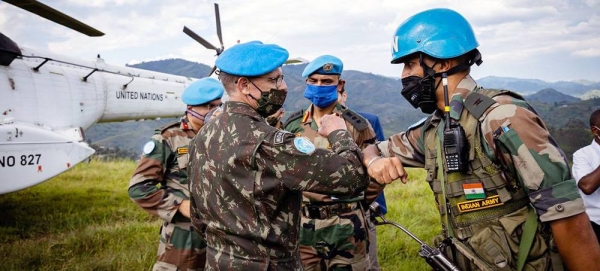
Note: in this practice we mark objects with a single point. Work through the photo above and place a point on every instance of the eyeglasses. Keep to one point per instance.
(210, 106)
(277, 80)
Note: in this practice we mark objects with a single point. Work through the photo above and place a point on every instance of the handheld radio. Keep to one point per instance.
(455, 140)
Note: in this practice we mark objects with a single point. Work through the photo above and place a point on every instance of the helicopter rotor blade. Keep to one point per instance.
(199, 39)
(218, 18)
(56, 16)
(212, 70)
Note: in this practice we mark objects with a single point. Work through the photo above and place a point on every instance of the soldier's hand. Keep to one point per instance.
(330, 123)
(386, 170)
(275, 119)
(184, 208)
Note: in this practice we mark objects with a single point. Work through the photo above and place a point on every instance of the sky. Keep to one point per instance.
(554, 40)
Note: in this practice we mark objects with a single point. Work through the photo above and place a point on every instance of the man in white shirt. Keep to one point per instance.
(586, 170)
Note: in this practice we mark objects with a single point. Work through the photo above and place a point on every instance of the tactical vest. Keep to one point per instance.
(503, 196)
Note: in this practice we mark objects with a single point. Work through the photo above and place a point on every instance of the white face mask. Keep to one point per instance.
(596, 127)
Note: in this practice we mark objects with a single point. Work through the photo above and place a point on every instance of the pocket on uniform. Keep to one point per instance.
(513, 224)
(182, 161)
(492, 245)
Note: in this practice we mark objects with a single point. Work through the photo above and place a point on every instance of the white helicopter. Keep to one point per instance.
(47, 101)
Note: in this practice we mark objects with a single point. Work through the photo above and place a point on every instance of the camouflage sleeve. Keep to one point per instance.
(365, 137)
(146, 187)
(197, 222)
(335, 172)
(404, 146)
(523, 145)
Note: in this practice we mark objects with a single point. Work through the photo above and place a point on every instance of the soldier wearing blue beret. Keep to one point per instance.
(160, 182)
(247, 176)
(344, 249)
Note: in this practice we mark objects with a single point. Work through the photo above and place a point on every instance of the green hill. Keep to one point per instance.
(551, 96)
(369, 93)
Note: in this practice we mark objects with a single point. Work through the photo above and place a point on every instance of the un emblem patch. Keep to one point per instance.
(304, 145)
(149, 147)
(328, 67)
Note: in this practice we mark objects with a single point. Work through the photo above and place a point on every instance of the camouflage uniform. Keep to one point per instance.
(246, 181)
(333, 231)
(159, 184)
(519, 164)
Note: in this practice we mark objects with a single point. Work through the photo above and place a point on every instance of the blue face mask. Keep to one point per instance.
(321, 96)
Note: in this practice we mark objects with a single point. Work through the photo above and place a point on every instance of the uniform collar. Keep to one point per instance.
(241, 108)
(463, 89)
(185, 123)
(307, 118)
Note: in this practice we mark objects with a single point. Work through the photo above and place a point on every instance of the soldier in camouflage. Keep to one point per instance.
(160, 182)
(507, 200)
(380, 199)
(247, 177)
(333, 230)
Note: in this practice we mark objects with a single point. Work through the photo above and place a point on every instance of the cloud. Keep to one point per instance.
(510, 32)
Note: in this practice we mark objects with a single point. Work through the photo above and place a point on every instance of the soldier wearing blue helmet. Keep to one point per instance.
(503, 187)
(160, 183)
(321, 247)
(247, 176)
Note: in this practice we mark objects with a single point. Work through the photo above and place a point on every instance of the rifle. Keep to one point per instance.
(433, 256)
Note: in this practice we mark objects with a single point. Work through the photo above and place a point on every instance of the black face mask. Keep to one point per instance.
(420, 92)
(270, 102)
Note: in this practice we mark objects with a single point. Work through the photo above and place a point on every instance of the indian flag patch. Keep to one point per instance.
(473, 190)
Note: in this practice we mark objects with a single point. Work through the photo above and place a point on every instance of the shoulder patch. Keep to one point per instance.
(304, 145)
(149, 147)
(358, 121)
(279, 137)
(417, 124)
(293, 116)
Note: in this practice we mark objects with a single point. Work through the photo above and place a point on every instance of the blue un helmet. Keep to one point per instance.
(440, 33)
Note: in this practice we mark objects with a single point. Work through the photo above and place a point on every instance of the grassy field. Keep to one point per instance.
(84, 220)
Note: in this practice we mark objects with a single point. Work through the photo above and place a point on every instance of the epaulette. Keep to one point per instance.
(478, 101)
(296, 115)
(422, 122)
(359, 122)
(163, 128)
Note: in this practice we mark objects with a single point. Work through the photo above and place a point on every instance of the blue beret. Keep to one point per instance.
(324, 64)
(202, 91)
(251, 59)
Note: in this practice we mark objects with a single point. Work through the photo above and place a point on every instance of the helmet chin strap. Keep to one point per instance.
(474, 58)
